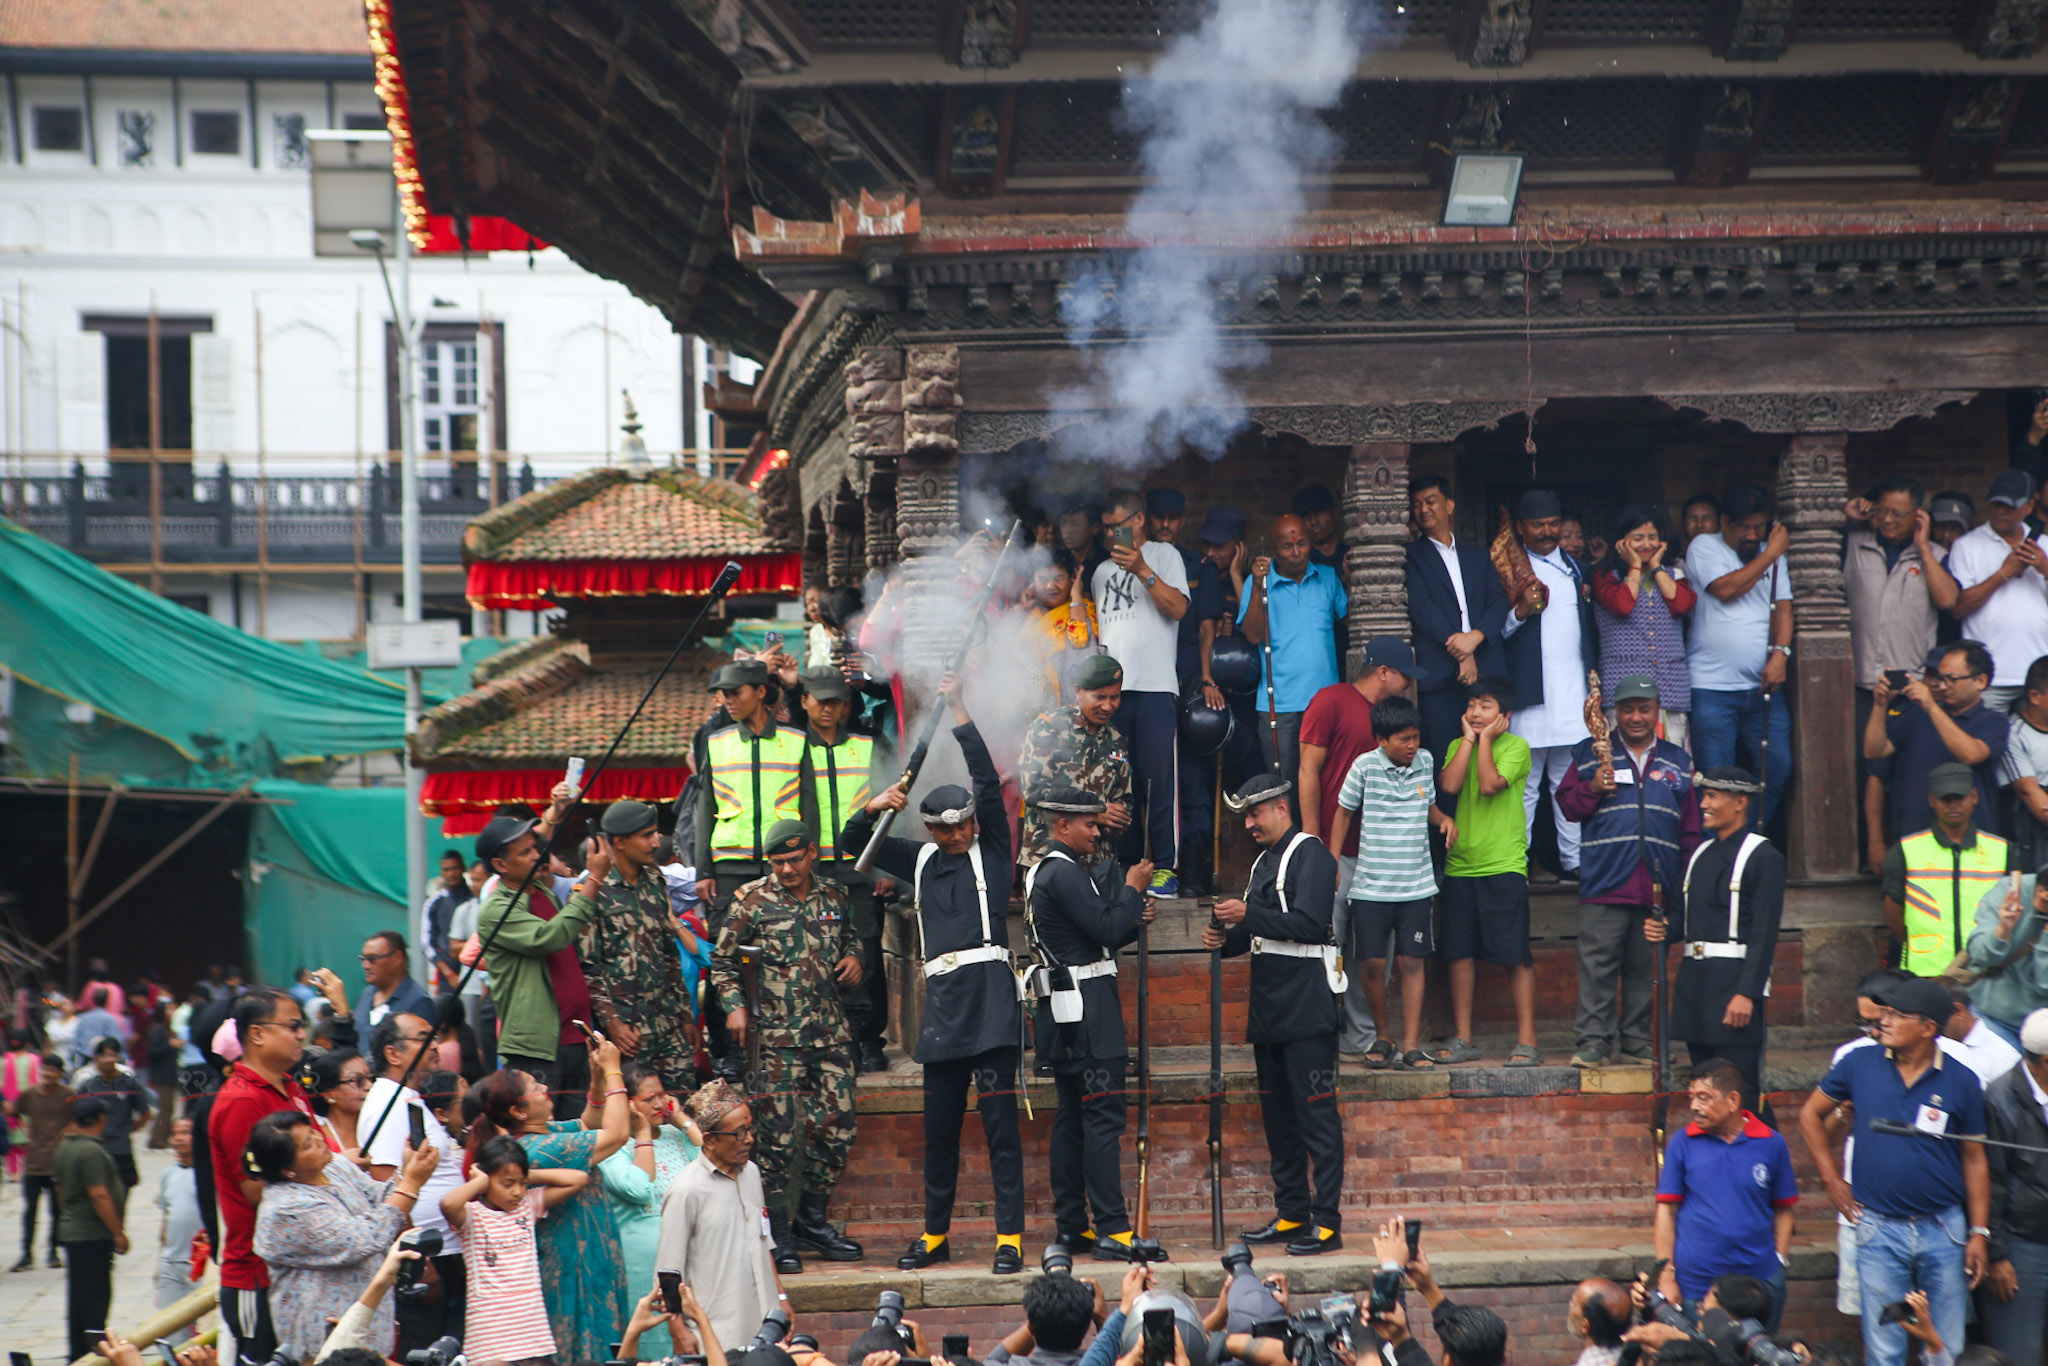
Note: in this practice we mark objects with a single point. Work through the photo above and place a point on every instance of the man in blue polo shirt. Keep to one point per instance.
(1295, 604)
(1725, 1198)
(1911, 1193)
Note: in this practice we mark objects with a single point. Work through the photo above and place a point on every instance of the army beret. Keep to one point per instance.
(787, 837)
(626, 818)
(827, 685)
(951, 804)
(739, 674)
(1259, 788)
(1101, 671)
(1071, 801)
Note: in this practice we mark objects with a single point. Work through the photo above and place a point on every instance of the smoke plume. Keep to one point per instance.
(1231, 143)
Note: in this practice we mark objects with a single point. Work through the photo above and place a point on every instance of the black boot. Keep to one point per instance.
(810, 1233)
(784, 1252)
(872, 1059)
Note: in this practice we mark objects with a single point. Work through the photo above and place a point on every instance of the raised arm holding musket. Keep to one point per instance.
(1080, 914)
(1297, 984)
(972, 1030)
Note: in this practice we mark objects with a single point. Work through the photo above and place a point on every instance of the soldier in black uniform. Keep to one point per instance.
(1079, 916)
(1734, 895)
(973, 1028)
(1297, 989)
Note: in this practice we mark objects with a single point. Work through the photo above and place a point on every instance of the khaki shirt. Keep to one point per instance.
(714, 1232)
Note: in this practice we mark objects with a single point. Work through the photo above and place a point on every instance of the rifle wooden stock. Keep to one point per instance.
(750, 984)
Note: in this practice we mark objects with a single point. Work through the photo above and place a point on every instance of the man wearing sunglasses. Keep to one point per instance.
(387, 989)
(1941, 719)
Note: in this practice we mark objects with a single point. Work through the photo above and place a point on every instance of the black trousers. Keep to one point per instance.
(1197, 819)
(1150, 724)
(247, 1315)
(1298, 1103)
(33, 1189)
(993, 1075)
(88, 1293)
(124, 1163)
(1441, 710)
(1087, 1148)
(866, 1003)
(728, 1057)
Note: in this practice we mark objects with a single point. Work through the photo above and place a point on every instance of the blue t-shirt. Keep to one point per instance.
(1728, 1194)
(1301, 621)
(1917, 749)
(1907, 1177)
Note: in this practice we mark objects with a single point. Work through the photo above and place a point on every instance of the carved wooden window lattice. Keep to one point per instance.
(1394, 19)
(1070, 125)
(1607, 121)
(910, 113)
(1875, 18)
(870, 23)
(1079, 21)
(1679, 21)
(1384, 122)
(2030, 126)
(1852, 118)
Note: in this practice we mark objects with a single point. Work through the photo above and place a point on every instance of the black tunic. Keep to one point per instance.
(1077, 913)
(1290, 997)
(1705, 985)
(973, 1008)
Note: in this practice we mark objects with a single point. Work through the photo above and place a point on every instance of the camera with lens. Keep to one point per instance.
(446, 1351)
(1237, 1257)
(1057, 1261)
(1311, 1337)
(889, 1315)
(1739, 1340)
(775, 1328)
(425, 1241)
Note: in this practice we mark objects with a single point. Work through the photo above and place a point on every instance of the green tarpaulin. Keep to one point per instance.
(233, 706)
(324, 873)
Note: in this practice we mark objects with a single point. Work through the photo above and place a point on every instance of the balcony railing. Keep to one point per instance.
(169, 510)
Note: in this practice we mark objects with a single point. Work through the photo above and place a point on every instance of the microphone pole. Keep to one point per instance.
(727, 577)
(1900, 1129)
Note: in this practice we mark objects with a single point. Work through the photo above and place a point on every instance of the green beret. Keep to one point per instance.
(787, 837)
(626, 818)
(1100, 671)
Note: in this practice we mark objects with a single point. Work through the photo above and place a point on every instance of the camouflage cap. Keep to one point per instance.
(1101, 671)
(787, 837)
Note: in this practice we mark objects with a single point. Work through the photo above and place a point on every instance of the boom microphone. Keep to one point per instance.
(1900, 1129)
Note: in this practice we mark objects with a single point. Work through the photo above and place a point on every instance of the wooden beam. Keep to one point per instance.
(1751, 30)
(156, 861)
(92, 847)
(2003, 30)
(1719, 137)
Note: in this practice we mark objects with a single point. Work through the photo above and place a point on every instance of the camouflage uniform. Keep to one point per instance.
(806, 1047)
(1060, 751)
(634, 969)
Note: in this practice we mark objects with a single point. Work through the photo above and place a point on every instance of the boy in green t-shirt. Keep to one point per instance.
(1484, 905)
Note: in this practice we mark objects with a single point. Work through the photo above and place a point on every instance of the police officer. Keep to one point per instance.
(1080, 910)
(753, 771)
(1734, 894)
(972, 1033)
(797, 920)
(630, 958)
(1297, 987)
(844, 773)
(1077, 747)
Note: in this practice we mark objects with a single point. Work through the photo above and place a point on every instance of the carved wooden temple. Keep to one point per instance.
(1790, 241)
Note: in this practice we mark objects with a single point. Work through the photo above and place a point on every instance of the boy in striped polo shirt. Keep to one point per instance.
(1392, 791)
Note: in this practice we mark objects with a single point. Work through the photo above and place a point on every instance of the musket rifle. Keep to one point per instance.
(1660, 1026)
(1266, 653)
(1216, 1091)
(750, 985)
(1143, 1247)
(866, 862)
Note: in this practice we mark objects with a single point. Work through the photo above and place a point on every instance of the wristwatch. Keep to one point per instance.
(1785, 650)
(1979, 1231)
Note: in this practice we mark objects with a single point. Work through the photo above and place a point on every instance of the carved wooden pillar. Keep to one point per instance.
(843, 565)
(1813, 483)
(878, 513)
(1376, 530)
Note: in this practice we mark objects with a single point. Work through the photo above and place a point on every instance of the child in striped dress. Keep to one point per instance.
(495, 1211)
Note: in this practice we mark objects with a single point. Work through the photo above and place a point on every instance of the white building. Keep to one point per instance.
(158, 166)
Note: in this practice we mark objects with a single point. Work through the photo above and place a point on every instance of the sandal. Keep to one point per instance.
(1525, 1055)
(1415, 1060)
(1459, 1050)
(1380, 1055)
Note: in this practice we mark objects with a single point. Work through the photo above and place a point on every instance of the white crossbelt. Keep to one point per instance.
(960, 958)
(1286, 948)
(1695, 949)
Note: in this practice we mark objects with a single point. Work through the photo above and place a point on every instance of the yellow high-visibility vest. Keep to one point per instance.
(1943, 886)
(755, 782)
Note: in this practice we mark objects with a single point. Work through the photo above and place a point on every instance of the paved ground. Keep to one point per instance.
(32, 1302)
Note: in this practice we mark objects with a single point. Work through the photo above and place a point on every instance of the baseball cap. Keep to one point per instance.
(1951, 780)
(827, 685)
(501, 834)
(1392, 652)
(739, 674)
(1222, 525)
(1950, 509)
(2034, 1033)
(1918, 996)
(1634, 688)
(2014, 488)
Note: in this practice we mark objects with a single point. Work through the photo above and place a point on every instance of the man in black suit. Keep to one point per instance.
(1456, 618)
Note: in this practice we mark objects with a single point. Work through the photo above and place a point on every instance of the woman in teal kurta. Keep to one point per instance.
(637, 1178)
(582, 1268)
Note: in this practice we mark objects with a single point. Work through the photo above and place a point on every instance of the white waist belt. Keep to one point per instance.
(1101, 967)
(1288, 948)
(1716, 951)
(960, 958)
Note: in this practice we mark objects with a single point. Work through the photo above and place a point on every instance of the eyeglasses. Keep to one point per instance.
(361, 1083)
(374, 957)
(296, 1025)
(1888, 1016)
(1939, 679)
(1869, 1025)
